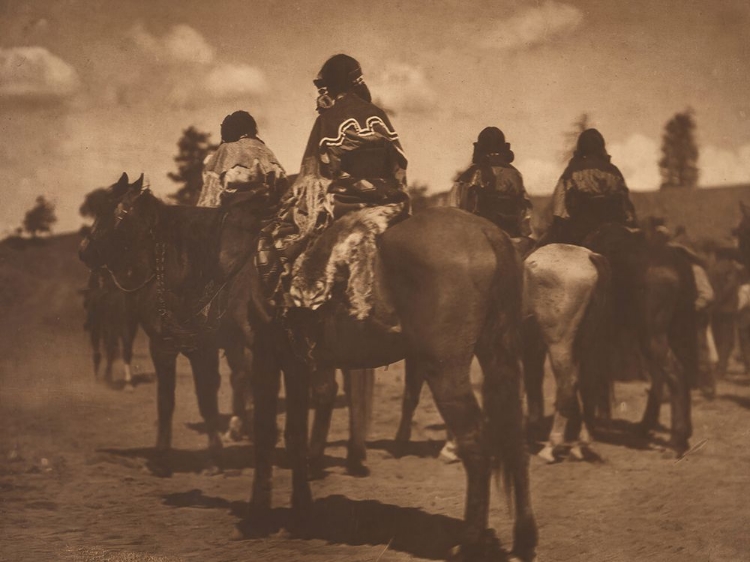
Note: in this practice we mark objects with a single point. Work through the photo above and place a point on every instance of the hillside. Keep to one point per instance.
(705, 213)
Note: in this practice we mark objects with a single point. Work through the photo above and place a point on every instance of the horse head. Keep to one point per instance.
(122, 234)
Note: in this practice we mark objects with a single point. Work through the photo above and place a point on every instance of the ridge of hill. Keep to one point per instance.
(706, 212)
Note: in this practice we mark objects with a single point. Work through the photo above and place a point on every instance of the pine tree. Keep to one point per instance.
(40, 217)
(571, 137)
(193, 147)
(679, 161)
(94, 203)
(418, 196)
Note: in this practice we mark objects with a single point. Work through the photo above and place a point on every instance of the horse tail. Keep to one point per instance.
(593, 344)
(499, 353)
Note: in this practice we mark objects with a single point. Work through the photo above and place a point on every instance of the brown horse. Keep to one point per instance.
(110, 320)
(165, 257)
(566, 317)
(447, 287)
(653, 294)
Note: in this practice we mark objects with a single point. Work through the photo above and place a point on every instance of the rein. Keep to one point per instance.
(124, 289)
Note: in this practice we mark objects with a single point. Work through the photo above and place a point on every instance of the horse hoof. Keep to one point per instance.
(357, 469)
(448, 453)
(576, 453)
(236, 535)
(212, 471)
(547, 454)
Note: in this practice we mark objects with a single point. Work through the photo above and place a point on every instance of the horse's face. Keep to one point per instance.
(120, 236)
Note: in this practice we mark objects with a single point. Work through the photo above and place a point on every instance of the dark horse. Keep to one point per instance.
(447, 287)
(653, 290)
(111, 321)
(165, 257)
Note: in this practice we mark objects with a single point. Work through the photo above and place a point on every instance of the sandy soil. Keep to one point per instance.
(74, 486)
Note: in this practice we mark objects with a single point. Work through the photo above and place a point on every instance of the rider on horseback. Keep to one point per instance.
(492, 188)
(590, 193)
(353, 161)
(242, 170)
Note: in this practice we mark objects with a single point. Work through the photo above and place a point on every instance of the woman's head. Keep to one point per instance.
(341, 74)
(492, 141)
(591, 143)
(237, 125)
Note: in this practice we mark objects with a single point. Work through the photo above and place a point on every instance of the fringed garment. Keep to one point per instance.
(353, 161)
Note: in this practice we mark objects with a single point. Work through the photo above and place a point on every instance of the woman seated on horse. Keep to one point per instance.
(591, 192)
(492, 187)
(243, 169)
(353, 161)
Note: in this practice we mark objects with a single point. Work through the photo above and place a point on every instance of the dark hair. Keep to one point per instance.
(237, 125)
(492, 141)
(591, 143)
(342, 73)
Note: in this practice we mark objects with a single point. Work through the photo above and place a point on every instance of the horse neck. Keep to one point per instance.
(191, 239)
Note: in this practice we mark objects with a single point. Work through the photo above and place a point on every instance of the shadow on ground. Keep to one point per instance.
(339, 520)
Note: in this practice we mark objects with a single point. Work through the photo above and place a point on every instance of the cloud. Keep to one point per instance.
(180, 44)
(35, 74)
(539, 176)
(404, 88)
(228, 81)
(638, 160)
(531, 26)
(720, 166)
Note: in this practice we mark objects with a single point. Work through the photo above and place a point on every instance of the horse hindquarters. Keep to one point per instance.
(443, 268)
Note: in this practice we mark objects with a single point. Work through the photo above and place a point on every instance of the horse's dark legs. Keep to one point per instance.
(205, 366)
(534, 355)
(358, 385)
(505, 432)
(165, 364)
(110, 348)
(128, 336)
(265, 384)
(96, 355)
(451, 389)
(324, 390)
(297, 387)
(413, 382)
(665, 368)
(239, 360)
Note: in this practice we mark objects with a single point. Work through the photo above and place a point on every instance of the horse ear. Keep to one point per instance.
(745, 209)
(138, 184)
(124, 180)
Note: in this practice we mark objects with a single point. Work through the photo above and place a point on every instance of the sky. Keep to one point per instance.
(90, 89)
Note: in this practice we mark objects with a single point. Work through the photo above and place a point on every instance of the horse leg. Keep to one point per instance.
(666, 369)
(534, 354)
(567, 423)
(297, 387)
(239, 364)
(451, 389)
(265, 383)
(127, 356)
(205, 367)
(324, 391)
(96, 354)
(358, 385)
(110, 345)
(165, 363)
(503, 406)
(413, 383)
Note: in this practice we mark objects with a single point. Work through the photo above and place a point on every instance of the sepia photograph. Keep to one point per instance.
(374, 281)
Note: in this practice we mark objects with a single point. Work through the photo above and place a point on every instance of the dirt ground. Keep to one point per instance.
(74, 483)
